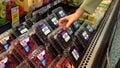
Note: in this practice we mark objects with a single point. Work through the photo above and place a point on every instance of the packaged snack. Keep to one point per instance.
(25, 45)
(75, 54)
(63, 62)
(89, 27)
(60, 39)
(42, 30)
(59, 12)
(53, 21)
(19, 30)
(83, 36)
(41, 58)
(8, 59)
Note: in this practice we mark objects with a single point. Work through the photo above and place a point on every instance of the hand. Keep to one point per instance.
(71, 18)
(68, 20)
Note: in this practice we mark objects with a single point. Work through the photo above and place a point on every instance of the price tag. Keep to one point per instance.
(15, 15)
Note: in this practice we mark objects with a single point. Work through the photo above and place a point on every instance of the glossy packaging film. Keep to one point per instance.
(8, 59)
(2, 12)
(53, 21)
(41, 58)
(60, 39)
(24, 45)
(42, 30)
(84, 34)
(62, 62)
(19, 30)
(59, 12)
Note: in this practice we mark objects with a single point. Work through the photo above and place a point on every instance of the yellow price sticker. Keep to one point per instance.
(15, 15)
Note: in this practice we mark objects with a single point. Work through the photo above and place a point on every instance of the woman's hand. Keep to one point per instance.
(71, 18)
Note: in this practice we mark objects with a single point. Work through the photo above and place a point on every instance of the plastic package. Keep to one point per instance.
(19, 30)
(41, 58)
(42, 30)
(24, 45)
(63, 62)
(89, 28)
(83, 36)
(53, 21)
(60, 39)
(76, 25)
(75, 55)
(59, 12)
(8, 60)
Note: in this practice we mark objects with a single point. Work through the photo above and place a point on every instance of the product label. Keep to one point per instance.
(55, 21)
(75, 54)
(70, 31)
(42, 57)
(61, 13)
(45, 29)
(15, 15)
(5, 42)
(85, 35)
(76, 24)
(3, 63)
(22, 29)
(25, 42)
(65, 36)
(90, 28)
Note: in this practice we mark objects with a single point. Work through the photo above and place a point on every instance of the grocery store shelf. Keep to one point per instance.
(96, 51)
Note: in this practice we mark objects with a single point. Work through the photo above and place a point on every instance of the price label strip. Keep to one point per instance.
(15, 15)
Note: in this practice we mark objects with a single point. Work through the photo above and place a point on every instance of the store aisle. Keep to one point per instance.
(115, 49)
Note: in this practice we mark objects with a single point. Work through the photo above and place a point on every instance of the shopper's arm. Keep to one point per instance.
(90, 5)
(87, 6)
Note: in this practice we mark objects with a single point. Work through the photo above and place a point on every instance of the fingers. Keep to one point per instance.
(62, 20)
(68, 25)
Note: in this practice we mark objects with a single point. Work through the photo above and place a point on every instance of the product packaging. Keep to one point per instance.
(59, 12)
(8, 59)
(60, 39)
(83, 36)
(42, 30)
(75, 54)
(63, 62)
(41, 58)
(25, 45)
(53, 21)
(89, 28)
(19, 30)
